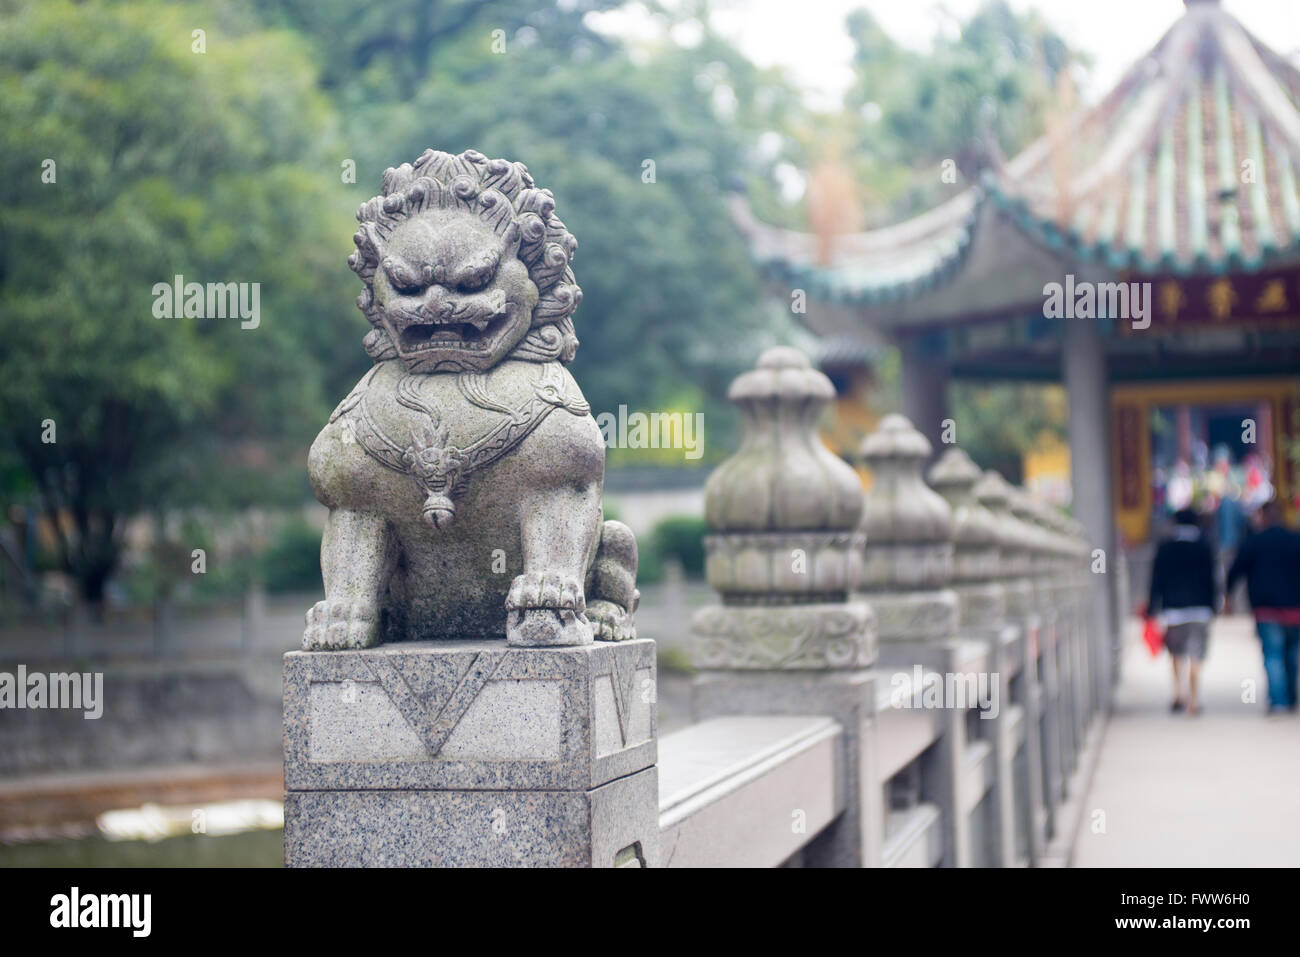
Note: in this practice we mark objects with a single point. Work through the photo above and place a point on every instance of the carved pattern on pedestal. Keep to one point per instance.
(783, 567)
(784, 637)
(915, 616)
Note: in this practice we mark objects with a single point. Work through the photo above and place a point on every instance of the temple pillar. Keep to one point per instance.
(1087, 388)
(923, 390)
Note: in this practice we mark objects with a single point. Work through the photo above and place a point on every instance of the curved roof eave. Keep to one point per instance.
(1145, 181)
(904, 258)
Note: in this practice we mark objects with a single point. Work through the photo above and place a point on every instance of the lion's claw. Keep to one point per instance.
(333, 625)
(534, 590)
(611, 622)
(531, 627)
(546, 609)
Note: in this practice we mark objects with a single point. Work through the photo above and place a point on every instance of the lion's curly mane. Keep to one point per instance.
(501, 194)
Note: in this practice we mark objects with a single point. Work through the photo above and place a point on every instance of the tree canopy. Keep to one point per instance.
(231, 143)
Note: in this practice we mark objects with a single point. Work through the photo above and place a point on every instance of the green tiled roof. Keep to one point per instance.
(882, 265)
(1195, 150)
(1188, 166)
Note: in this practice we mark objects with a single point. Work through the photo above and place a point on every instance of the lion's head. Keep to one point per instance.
(465, 263)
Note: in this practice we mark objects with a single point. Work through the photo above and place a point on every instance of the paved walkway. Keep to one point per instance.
(1219, 790)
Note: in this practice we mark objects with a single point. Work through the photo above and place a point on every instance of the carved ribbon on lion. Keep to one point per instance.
(439, 469)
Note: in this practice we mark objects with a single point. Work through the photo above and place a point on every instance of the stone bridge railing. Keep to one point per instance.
(905, 681)
(905, 677)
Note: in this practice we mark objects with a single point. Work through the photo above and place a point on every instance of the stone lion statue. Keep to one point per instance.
(464, 472)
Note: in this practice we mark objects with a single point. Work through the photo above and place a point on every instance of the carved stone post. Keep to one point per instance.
(1044, 614)
(982, 615)
(784, 557)
(982, 599)
(1056, 595)
(993, 492)
(1078, 576)
(907, 566)
(471, 690)
(909, 550)
(453, 753)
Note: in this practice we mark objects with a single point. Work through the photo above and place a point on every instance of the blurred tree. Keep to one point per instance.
(128, 156)
(985, 89)
(386, 50)
(998, 423)
(640, 148)
(682, 537)
(224, 166)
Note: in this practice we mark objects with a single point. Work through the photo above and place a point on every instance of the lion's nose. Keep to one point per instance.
(436, 304)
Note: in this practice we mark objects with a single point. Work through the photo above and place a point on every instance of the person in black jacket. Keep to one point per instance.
(1184, 594)
(1270, 562)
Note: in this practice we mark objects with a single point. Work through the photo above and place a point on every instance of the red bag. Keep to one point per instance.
(1153, 636)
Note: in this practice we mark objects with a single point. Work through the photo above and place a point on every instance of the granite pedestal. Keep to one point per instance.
(460, 753)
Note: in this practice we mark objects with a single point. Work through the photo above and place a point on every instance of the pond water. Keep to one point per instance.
(260, 848)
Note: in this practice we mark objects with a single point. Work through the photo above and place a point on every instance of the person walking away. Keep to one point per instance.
(1269, 561)
(1230, 520)
(1183, 594)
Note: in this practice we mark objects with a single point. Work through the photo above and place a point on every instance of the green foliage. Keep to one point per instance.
(988, 84)
(225, 580)
(650, 565)
(224, 166)
(292, 562)
(682, 537)
(384, 51)
(166, 162)
(676, 660)
(998, 423)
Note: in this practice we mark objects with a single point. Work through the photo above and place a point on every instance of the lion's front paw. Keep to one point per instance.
(333, 625)
(547, 626)
(611, 622)
(546, 609)
(540, 590)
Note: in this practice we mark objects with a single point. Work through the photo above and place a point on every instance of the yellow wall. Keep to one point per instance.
(1047, 469)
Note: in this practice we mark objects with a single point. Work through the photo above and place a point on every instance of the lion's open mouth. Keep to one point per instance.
(465, 322)
(474, 336)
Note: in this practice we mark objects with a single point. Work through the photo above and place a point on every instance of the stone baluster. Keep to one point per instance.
(909, 549)
(784, 556)
(1057, 613)
(1073, 589)
(982, 613)
(1042, 618)
(907, 568)
(1075, 575)
(982, 601)
(1078, 576)
(1014, 563)
(1071, 601)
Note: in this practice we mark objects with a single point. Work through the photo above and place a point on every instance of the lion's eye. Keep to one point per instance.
(402, 276)
(473, 274)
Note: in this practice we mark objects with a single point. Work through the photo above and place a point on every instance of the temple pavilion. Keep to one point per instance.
(1183, 177)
